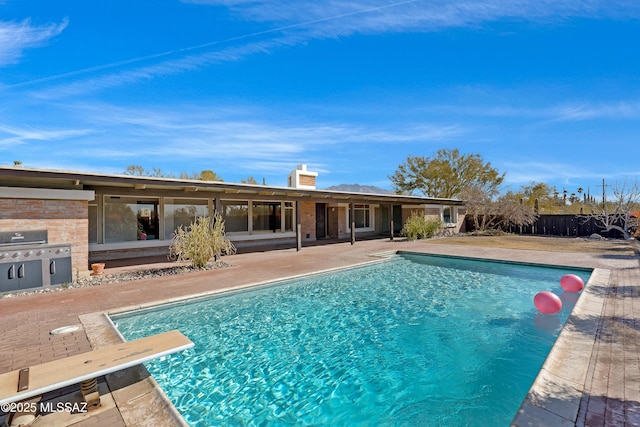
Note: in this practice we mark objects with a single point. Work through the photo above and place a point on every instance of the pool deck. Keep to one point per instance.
(591, 377)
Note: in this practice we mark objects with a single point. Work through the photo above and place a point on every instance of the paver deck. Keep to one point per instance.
(609, 393)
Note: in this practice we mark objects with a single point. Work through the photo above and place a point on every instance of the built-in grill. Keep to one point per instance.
(28, 261)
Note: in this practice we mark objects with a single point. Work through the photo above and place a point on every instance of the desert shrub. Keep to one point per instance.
(200, 241)
(418, 227)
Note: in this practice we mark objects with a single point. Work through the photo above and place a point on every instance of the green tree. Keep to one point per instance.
(537, 191)
(548, 200)
(209, 175)
(205, 175)
(446, 174)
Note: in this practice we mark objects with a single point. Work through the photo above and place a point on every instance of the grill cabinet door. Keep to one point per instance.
(17, 276)
(60, 270)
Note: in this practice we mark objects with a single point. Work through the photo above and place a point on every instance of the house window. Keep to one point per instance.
(288, 216)
(93, 223)
(361, 215)
(182, 212)
(235, 215)
(130, 218)
(267, 217)
(449, 215)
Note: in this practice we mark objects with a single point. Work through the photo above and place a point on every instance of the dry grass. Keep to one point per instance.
(540, 243)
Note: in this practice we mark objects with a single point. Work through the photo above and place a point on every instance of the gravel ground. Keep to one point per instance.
(128, 276)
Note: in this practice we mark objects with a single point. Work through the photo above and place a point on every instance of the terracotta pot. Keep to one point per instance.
(98, 268)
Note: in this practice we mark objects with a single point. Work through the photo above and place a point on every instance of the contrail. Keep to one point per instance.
(205, 45)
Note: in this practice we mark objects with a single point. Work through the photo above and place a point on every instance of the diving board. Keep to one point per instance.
(39, 379)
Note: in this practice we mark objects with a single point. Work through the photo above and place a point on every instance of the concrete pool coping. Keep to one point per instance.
(611, 390)
(554, 398)
(136, 384)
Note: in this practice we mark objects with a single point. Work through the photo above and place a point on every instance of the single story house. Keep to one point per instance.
(103, 216)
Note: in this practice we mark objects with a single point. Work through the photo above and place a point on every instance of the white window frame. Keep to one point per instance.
(454, 215)
(372, 225)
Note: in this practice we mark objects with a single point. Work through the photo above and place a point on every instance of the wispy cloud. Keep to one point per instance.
(107, 78)
(18, 136)
(15, 37)
(335, 18)
(190, 135)
(235, 127)
(296, 23)
(568, 173)
(563, 112)
(583, 111)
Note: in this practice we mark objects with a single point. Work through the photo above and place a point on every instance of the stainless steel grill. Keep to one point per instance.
(28, 261)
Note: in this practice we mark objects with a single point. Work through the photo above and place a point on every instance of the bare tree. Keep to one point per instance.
(615, 213)
(137, 170)
(250, 180)
(511, 212)
(490, 212)
(479, 207)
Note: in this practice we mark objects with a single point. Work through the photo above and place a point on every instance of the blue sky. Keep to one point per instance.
(546, 90)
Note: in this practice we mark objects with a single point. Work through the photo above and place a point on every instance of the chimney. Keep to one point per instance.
(302, 178)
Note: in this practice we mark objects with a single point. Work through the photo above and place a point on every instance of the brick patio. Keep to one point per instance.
(608, 395)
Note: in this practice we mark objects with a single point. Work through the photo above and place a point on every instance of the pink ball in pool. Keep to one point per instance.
(547, 302)
(571, 283)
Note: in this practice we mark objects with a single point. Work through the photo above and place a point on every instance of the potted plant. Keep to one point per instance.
(98, 268)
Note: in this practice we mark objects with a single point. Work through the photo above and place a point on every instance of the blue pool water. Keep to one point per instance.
(416, 340)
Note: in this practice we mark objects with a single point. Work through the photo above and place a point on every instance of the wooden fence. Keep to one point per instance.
(558, 225)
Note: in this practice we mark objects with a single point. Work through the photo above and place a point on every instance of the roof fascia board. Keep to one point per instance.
(149, 183)
(45, 194)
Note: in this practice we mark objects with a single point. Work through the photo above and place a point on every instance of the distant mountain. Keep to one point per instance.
(357, 188)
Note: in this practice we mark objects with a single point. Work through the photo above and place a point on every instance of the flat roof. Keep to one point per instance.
(57, 179)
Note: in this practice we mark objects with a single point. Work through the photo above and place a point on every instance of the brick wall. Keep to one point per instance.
(406, 213)
(308, 219)
(65, 220)
(333, 222)
(432, 213)
(342, 222)
(462, 219)
(309, 180)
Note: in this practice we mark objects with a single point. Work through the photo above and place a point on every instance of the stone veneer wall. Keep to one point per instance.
(66, 222)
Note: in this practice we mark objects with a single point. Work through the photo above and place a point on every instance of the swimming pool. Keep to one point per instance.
(415, 340)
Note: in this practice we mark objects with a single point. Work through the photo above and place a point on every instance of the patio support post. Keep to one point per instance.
(217, 209)
(391, 222)
(298, 227)
(353, 223)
